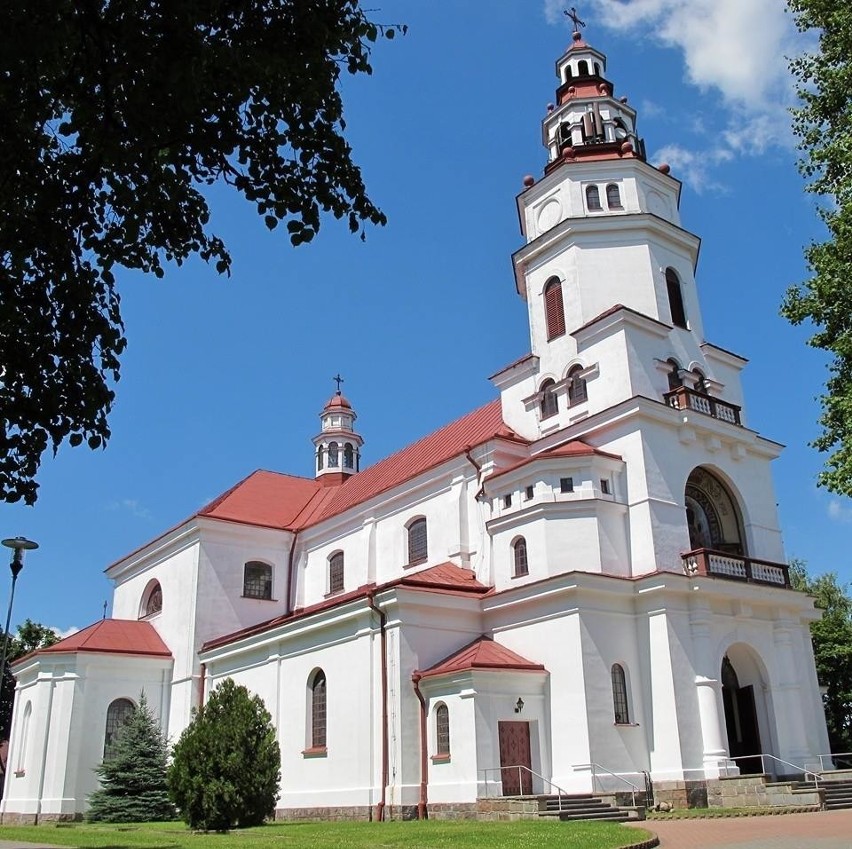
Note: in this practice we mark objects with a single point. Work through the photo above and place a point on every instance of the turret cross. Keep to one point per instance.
(338, 380)
(575, 17)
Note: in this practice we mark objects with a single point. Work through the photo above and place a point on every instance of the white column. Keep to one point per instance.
(789, 716)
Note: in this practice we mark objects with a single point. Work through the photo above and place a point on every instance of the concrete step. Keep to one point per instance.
(612, 815)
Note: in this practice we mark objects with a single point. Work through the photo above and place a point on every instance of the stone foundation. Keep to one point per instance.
(11, 818)
(506, 810)
(681, 794)
(754, 792)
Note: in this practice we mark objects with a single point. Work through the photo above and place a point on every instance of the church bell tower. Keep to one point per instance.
(338, 446)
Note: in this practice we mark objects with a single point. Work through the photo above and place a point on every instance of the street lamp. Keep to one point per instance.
(18, 545)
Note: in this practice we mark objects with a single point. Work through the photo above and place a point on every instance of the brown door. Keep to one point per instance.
(514, 753)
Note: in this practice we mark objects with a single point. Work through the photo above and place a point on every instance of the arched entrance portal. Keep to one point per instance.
(742, 696)
(712, 514)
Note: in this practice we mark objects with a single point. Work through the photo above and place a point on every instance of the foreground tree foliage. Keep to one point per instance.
(226, 766)
(115, 114)
(133, 773)
(823, 124)
(31, 636)
(832, 640)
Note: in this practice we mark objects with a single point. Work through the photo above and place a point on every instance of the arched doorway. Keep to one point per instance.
(745, 709)
(712, 515)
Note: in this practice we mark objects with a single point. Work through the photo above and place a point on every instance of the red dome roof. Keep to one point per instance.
(338, 400)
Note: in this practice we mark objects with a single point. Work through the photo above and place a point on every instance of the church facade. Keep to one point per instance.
(581, 582)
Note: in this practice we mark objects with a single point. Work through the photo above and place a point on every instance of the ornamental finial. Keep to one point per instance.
(575, 18)
(338, 380)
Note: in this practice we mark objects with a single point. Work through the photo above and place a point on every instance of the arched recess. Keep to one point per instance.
(713, 514)
(749, 715)
(117, 714)
(152, 599)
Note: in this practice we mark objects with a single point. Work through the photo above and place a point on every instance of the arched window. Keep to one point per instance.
(333, 461)
(548, 403)
(675, 298)
(417, 542)
(320, 457)
(442, 731)
(519, 554)
(257, 580)
(597, 69)
(117, 714)
(568, 73)
(619, 696)
(152, 600)
(576, 386)
(318, 710)
(675, 380)
(554, 312)
(613, 196)
(593, 198)
(700, 381)
(348, 456)
(335, 572)
(583, 68)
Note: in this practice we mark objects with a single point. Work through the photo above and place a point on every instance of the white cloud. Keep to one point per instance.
(734, 50)
(132, 506)
(62, 633)
(840, 511)
(694, 167)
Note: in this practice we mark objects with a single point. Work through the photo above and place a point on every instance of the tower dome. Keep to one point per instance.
(338, 446)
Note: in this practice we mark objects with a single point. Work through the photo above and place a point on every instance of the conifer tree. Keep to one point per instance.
(226, 766)
(133, 773)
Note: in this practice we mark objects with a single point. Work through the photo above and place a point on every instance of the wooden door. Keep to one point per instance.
(514, 753)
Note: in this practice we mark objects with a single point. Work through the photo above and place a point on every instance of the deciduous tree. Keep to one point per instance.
(116, 114)
(823, 124)
(226, 765)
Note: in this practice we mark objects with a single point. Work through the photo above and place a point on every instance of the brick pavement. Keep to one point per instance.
(823, 830)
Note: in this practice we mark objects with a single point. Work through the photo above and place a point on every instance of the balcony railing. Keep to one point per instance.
(719, 564)
(684, 398)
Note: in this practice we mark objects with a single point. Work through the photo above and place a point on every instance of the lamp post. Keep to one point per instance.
(18, 545)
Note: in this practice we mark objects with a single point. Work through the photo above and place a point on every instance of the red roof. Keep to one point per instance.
(446, 576)
(113, 636)
(338, 400)
(482, 653)
(575, 448)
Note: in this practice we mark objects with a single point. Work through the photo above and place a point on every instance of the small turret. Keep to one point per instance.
(338, 446)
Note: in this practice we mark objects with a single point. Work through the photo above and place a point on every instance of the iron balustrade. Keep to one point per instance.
(721, 564)
(684, 398)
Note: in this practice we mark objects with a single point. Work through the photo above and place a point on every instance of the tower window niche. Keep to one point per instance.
(673, 286)
(554, 310)
(548, 404)
(593, 199)
(613, 196)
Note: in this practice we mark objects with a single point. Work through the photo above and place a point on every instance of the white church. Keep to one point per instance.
(583, 578)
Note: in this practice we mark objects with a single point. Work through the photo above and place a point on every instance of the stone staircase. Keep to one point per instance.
(838, 794)
(584, 807)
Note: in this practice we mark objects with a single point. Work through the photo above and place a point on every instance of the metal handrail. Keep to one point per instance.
(844, 755)
(560, 792)
(595, 766)
(804, 770)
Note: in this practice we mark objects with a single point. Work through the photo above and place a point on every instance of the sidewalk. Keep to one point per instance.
(823, 830)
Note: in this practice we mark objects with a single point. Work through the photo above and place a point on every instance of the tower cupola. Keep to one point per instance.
(338, 446)
(588, 122)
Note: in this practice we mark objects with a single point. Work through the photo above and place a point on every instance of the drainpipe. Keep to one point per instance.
(478, 468)
(290, 567)
(202, 680)
(422, 810)
(380, 807)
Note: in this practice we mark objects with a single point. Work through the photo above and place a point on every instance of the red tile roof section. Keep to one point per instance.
(113, 636)
(268, 499)
(446, 576)
(482, 653)
(575, 448)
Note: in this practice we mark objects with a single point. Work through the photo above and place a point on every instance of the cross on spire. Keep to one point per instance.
(338, 380)
(575, 18)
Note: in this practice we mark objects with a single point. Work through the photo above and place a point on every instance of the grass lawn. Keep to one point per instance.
(347, 835)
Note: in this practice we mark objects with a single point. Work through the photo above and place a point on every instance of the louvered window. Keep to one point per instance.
(335, 573)
(576, 386)
(549, 405)
(554, 311)
(417, 542)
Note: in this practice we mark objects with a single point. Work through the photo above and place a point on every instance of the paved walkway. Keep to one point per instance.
(824, 830)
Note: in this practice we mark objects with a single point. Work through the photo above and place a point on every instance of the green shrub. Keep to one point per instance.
(226, 766)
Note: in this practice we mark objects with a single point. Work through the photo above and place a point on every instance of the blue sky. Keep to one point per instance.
(225, 376)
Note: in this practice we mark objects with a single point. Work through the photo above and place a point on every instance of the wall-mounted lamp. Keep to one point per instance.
(519, 705)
